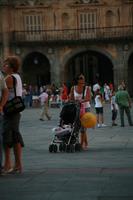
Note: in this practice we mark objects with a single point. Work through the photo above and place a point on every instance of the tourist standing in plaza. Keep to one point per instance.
(44, 104)
(81, 93)
(11, 134)
(3, 99)
(99, 108)
(124, 102)
(114, 108)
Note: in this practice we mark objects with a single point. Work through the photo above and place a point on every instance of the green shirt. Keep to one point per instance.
(122, 98)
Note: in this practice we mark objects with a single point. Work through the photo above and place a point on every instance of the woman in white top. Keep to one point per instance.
(99, 109)
(76, 94)
(12, 136)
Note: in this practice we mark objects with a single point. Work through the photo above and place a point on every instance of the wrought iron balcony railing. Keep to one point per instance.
(72, 35)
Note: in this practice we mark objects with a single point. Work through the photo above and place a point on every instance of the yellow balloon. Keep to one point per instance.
(88, 120)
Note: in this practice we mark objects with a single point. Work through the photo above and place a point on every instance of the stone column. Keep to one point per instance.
(55, 68)
(5, 30)
(120, 69)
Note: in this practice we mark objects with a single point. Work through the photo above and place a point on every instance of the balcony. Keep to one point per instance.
(70, 36)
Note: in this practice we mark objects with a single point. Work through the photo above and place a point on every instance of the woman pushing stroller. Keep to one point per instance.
(81, 93)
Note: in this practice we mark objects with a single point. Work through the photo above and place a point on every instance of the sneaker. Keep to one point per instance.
(114, 124)
(41, 119)
(103, 125)
(85, 148)
(8, 171)
(98, 125)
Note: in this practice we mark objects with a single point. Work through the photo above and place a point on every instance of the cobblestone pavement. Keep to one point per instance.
(104, 172)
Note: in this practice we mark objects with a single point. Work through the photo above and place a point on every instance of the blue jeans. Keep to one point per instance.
(1, 139)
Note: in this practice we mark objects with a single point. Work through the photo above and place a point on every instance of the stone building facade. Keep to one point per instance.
(58, 39)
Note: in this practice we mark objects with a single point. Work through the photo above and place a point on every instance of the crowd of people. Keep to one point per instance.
(96, 95)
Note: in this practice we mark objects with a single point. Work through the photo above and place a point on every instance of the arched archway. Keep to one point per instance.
(130, 75)
(36, 69)
(93, 64)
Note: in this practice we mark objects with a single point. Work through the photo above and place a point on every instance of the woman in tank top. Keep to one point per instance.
(12, 136)
(76, 94)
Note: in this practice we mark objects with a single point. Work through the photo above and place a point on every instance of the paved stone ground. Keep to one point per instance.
(104, 172)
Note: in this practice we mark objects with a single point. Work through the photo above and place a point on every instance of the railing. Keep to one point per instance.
(105, 33)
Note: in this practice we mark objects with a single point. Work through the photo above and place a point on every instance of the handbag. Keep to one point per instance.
(14, 105)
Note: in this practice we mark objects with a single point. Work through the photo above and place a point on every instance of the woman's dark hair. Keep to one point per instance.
(78, 77)
(13, 62)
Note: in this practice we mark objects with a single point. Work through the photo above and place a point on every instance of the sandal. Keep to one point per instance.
(8, 171)
(17, 171)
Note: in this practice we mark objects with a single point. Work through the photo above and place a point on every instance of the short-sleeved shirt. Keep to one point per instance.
(122, 98)
(43, 98)
(2, 84)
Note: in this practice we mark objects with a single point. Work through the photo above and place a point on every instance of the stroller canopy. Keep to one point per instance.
(68, 113)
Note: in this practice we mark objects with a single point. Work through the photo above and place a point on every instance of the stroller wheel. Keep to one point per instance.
(64, 147)
(68, 148)
(61, 147)
(51, 148)
(55, 148)
(72, 148)
(77, 147)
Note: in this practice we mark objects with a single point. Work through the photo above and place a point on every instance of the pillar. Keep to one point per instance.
(6, 30)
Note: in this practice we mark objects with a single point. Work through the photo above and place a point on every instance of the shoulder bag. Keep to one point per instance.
(14, 105)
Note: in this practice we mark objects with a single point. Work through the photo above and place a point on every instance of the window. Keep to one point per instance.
(109, 18)
(65, 21)
(33, 26)
(88, 23)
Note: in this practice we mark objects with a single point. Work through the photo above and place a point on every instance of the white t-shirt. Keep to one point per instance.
(18, 85)
(98, 101)
(96, 87)
(78, 97)
(43, 98)
(113, 103)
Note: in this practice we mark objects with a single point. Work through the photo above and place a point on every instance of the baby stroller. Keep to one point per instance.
(66, 135)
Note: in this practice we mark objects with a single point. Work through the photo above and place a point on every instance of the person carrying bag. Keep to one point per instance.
(14, 105)
(12, 137)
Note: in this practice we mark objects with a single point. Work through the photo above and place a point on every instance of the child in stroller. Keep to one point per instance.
(67, 133)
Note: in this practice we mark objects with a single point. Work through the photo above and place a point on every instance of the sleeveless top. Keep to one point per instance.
(78, 96)
(18, 87)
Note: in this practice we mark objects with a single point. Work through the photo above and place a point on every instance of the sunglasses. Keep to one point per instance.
(81, 78)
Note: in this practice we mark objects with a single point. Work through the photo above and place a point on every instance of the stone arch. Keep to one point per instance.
(36, 69)
(129, 64)
(93, 53)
